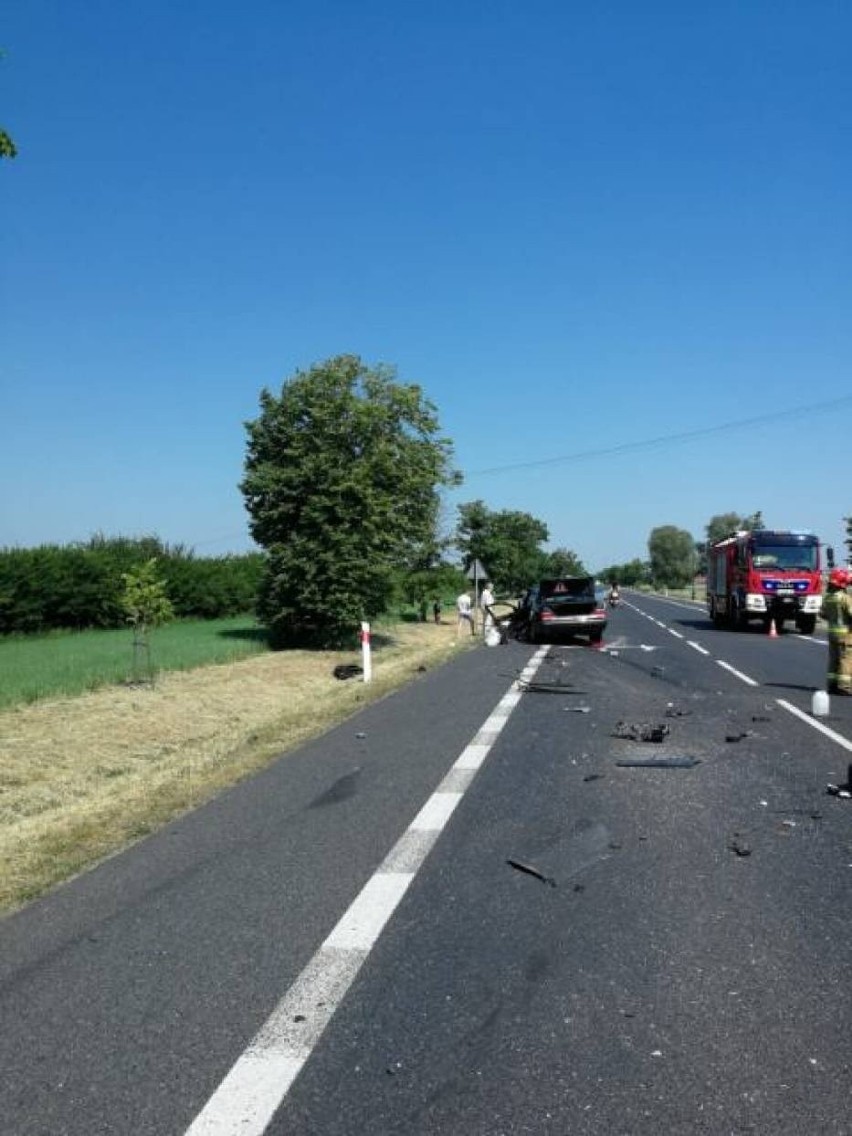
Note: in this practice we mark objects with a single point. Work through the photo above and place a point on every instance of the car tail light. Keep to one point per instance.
(545, 614)
(600, 611)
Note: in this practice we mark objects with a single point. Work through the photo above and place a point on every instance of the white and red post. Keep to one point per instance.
(366, 661)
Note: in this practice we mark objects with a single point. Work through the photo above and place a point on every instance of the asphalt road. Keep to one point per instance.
(670, 954)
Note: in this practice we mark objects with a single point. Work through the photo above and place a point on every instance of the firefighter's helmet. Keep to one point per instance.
(838, 578)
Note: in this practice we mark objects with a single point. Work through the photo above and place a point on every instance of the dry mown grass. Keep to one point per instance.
(82, 777)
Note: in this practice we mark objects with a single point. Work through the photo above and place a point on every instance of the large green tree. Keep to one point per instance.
(508, 543)
(342, 479)
(635, 571)
(723, 524)
(563, 562)
(672, 555)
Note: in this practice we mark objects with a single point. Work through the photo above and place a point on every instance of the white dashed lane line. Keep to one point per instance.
(802, 716)
(736, 673)
(839, 739)
(261, 1078)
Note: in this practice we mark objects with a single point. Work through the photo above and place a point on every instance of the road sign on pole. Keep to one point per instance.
(476, 572)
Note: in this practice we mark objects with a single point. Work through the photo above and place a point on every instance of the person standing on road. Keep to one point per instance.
(465, 613)
(837, 612)
(486, 601)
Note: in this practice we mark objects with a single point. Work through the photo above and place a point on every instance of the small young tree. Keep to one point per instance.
(147, 606)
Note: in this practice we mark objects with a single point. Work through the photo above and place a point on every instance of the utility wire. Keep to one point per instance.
(667, 439)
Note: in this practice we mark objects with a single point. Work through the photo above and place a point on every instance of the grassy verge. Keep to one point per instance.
(71, 662)
(82, 777)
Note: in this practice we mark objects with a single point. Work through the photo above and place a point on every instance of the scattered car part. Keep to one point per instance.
(685, 762)
(643, 732)
(529, 870)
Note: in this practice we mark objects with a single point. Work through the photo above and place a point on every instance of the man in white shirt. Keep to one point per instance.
(465, 613)
(485, 602)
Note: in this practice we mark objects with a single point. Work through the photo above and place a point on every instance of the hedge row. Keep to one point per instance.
(80, 586)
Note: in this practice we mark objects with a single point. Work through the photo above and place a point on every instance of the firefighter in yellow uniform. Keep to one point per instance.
(837, 612)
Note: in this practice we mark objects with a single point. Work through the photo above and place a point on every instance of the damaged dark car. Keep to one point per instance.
(563, 608)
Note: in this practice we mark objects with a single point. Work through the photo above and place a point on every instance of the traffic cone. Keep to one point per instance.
(773, 630)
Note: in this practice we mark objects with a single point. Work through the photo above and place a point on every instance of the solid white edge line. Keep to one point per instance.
(697, 647)
(261, 1077)
(363, 922)
(829, 733)
(472, 756)
(436, 812)
(736, 673)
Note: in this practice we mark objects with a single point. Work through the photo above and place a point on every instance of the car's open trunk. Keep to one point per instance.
(573, 595)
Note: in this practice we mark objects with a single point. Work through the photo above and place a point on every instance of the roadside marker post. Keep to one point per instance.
(366, 661)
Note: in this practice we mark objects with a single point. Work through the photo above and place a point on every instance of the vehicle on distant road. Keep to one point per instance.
(765, 574)
(566, 606)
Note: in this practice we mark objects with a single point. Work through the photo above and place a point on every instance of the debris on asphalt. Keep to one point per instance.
(529, 870)
(578, 709)
(544, 687)
(347, 670)
(673, 711)
(658, 672)
(593, 777)
(643, 732)
(844, 791)
(760, 718)
(658, 762)
(738, 737)
(739, 846)
(360, 734)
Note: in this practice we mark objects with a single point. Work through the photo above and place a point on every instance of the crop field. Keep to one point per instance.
(73, 662)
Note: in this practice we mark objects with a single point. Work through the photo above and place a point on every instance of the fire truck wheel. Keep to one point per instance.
(806, 624)
(738, 620)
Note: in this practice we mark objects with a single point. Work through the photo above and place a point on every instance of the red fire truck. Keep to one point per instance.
(765, 574)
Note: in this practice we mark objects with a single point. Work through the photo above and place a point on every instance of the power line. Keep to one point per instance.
(667, 439)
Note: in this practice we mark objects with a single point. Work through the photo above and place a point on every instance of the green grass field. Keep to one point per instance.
(43, 666)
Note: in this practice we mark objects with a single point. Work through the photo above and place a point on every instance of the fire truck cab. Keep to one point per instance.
(765, 574)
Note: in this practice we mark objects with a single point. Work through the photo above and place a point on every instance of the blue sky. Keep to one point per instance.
(577, 226)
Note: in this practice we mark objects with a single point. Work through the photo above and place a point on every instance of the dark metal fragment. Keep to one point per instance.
(529, 870)
(658, 762)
